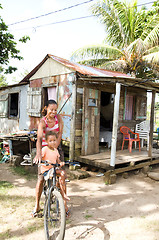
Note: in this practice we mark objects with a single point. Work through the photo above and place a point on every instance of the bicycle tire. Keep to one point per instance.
(55, 221)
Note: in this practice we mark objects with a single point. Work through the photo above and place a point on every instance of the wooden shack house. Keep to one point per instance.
(93, 102)
(13, 108)
(14, 120)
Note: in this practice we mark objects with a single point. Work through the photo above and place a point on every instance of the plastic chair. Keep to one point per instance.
(126, 137)
(143, 128)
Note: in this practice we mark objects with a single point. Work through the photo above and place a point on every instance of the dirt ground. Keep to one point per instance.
(126, 210)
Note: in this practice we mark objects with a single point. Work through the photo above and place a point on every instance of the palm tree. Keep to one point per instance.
(133, 38)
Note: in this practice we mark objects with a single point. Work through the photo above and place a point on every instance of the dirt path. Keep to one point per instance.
(127, 210)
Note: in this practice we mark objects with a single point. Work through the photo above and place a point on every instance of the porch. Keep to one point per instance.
(124, 162)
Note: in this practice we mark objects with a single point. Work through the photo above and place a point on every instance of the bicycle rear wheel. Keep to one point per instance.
(54, 216)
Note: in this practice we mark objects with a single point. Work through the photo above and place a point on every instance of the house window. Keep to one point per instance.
(92, 102)
(13, 105)
(129, 107)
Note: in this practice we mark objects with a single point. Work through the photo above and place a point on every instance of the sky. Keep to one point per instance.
(60, 39)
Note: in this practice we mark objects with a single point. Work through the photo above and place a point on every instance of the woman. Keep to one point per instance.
(50, 122)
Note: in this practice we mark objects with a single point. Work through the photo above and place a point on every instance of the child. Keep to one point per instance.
(51, 155)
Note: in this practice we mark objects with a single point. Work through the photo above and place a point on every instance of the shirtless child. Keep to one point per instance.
(51, 155)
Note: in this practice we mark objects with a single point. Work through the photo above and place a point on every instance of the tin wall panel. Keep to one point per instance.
(65, 103)
(36, 83)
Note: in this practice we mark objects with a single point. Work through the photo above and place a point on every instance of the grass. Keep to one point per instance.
(16, 211)
(87, 216)
(5, 186)
(68, 221)
(106, 183)
(21, 171)
(5, 235)
(16, 206)
(33, 228)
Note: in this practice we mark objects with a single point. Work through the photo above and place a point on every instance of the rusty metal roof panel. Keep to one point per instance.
(82, 69)
(87, 70)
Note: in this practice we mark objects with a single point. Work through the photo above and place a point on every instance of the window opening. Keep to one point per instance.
(13, 104)
(129, 107)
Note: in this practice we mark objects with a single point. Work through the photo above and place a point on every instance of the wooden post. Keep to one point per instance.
(151, 124)
(10, 148)
(115, 124)
(72, 130)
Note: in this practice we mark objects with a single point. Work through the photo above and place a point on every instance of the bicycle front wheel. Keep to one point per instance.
(54, 216)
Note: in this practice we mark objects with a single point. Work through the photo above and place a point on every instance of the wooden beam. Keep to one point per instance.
(72, 130)
(115, 124)
(128, 82)
(151, 124)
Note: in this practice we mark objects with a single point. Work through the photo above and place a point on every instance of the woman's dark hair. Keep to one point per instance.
(51, 101)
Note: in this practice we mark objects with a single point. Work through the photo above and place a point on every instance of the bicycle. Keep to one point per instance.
(54, 209)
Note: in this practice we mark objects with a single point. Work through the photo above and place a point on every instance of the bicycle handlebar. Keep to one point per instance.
(46, 163)
(53, 164)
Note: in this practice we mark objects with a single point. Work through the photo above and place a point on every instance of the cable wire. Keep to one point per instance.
(63, 21)
(47, 24)
(44, 15)
(63, 9)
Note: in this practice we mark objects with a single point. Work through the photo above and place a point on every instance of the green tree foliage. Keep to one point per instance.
(8, 48)
(132, 36)
(3, 81)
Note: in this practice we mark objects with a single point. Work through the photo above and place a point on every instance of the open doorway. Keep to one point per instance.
(49, 93)
(106, 119)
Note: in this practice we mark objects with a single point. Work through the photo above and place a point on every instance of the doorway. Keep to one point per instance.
(49, 93)
(106, 120)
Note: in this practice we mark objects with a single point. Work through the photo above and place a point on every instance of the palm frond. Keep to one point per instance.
(151, 22)
(136, 46)
(119, 19)
(94, 62)
(107, 14)
(152, 58)
(152, 50)
(152, 38)
(96, 52)
(115, 65)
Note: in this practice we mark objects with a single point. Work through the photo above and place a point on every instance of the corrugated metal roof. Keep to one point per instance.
(95, 73)
(86, 70)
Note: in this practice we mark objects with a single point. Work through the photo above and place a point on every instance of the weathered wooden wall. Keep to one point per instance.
(140, 107)
(84, 115)
(78, 122)
(13, 124)
(36, 101)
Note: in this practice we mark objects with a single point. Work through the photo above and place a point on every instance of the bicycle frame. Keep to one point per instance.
(51, 182)
(53, 198)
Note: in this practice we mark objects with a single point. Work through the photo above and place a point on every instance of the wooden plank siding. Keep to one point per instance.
(139, 109)
(78, 122)
(90, 122)
(87, 119)
(61, 81)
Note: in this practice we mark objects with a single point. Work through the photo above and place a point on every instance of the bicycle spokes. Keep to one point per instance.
(54, 219)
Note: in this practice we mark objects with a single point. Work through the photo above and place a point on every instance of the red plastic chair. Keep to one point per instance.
(126, 137)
